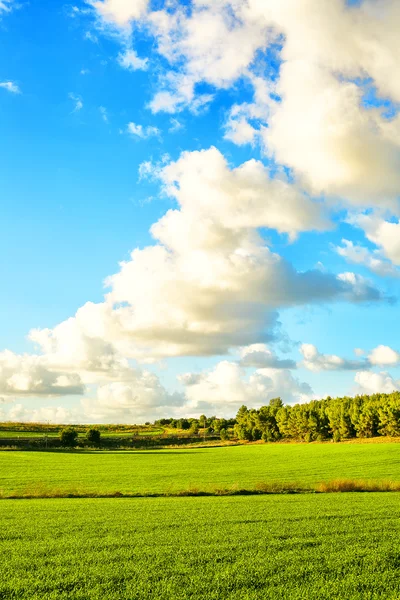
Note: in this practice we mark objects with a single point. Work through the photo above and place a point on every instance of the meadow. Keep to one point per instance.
(277, 547)
(168, 471)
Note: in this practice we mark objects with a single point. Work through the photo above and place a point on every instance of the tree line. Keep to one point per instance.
(363, 416)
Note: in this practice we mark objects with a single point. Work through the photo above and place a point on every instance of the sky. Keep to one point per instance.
(200, 205)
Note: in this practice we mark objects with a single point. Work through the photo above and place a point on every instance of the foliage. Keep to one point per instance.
(224, 434)
(333, 418)
(93, 436)
(69, 437)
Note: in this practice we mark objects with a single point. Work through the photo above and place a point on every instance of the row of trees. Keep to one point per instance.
(69, 437)
(193, 426)
(332, 418)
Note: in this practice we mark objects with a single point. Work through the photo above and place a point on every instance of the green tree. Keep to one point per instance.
(223, 434)
(69, 437)
(93, 436)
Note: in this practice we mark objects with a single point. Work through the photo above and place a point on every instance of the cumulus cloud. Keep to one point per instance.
(384, 355)
(260, 356)
(10, 86)
(52, 414)
(140, 396)
(376, 383)
(226, 387)
(384, 234)
(372, 260)
(120, 12)
(28, 375)
(209, 283)
(315, 361)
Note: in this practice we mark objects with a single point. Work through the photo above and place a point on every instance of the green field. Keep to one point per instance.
(305, 546)
(202, 468)
(344, 546)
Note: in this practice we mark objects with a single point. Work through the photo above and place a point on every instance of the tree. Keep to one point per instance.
(203, 421)
(223, 434)
(69, 437)
(194, 428)
(93, 436)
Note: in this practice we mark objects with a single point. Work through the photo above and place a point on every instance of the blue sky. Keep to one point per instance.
(97, 148)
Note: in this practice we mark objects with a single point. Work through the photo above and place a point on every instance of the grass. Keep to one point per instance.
(266, 547)
(168, 471)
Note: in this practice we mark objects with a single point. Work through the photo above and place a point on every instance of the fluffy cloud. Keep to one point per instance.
(383, 355)
(28, 375)
(312, 115)
(359, 255)
(226, 387)
(52, 414)
(120, 12)
(260, 356)
(209, 283)
(314, 361)
(10, 86)
(334, 145)
(385, 234)
(141, 396)
(240, 198)
(375, 383)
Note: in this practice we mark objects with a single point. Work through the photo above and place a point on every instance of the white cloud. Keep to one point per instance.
(78, 104)
(10, 86)
(51, 414)
(319, 126)
(141, 396)
(260, 356)
(209, 283)
(91, 37)
(226, 387)
(385, 234)
(175, 125)
(241, 198)
(103, 113)
(29, 375)
(314, 361)
(131, 61)
(6, 6)
(359, 352)
(384, 355)
(142, 132)
(376, 383)
(360, 255)
(120, 12)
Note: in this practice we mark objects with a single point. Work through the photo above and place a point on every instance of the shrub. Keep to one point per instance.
(93, 436)
(69, 437)
(223, 434)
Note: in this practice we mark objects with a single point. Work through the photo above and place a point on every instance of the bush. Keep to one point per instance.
(69, 437)
(93, 436)
(223, 434)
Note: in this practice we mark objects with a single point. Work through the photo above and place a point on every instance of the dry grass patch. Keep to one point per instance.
(357, 485)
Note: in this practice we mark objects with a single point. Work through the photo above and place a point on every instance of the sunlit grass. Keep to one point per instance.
(312, 547)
